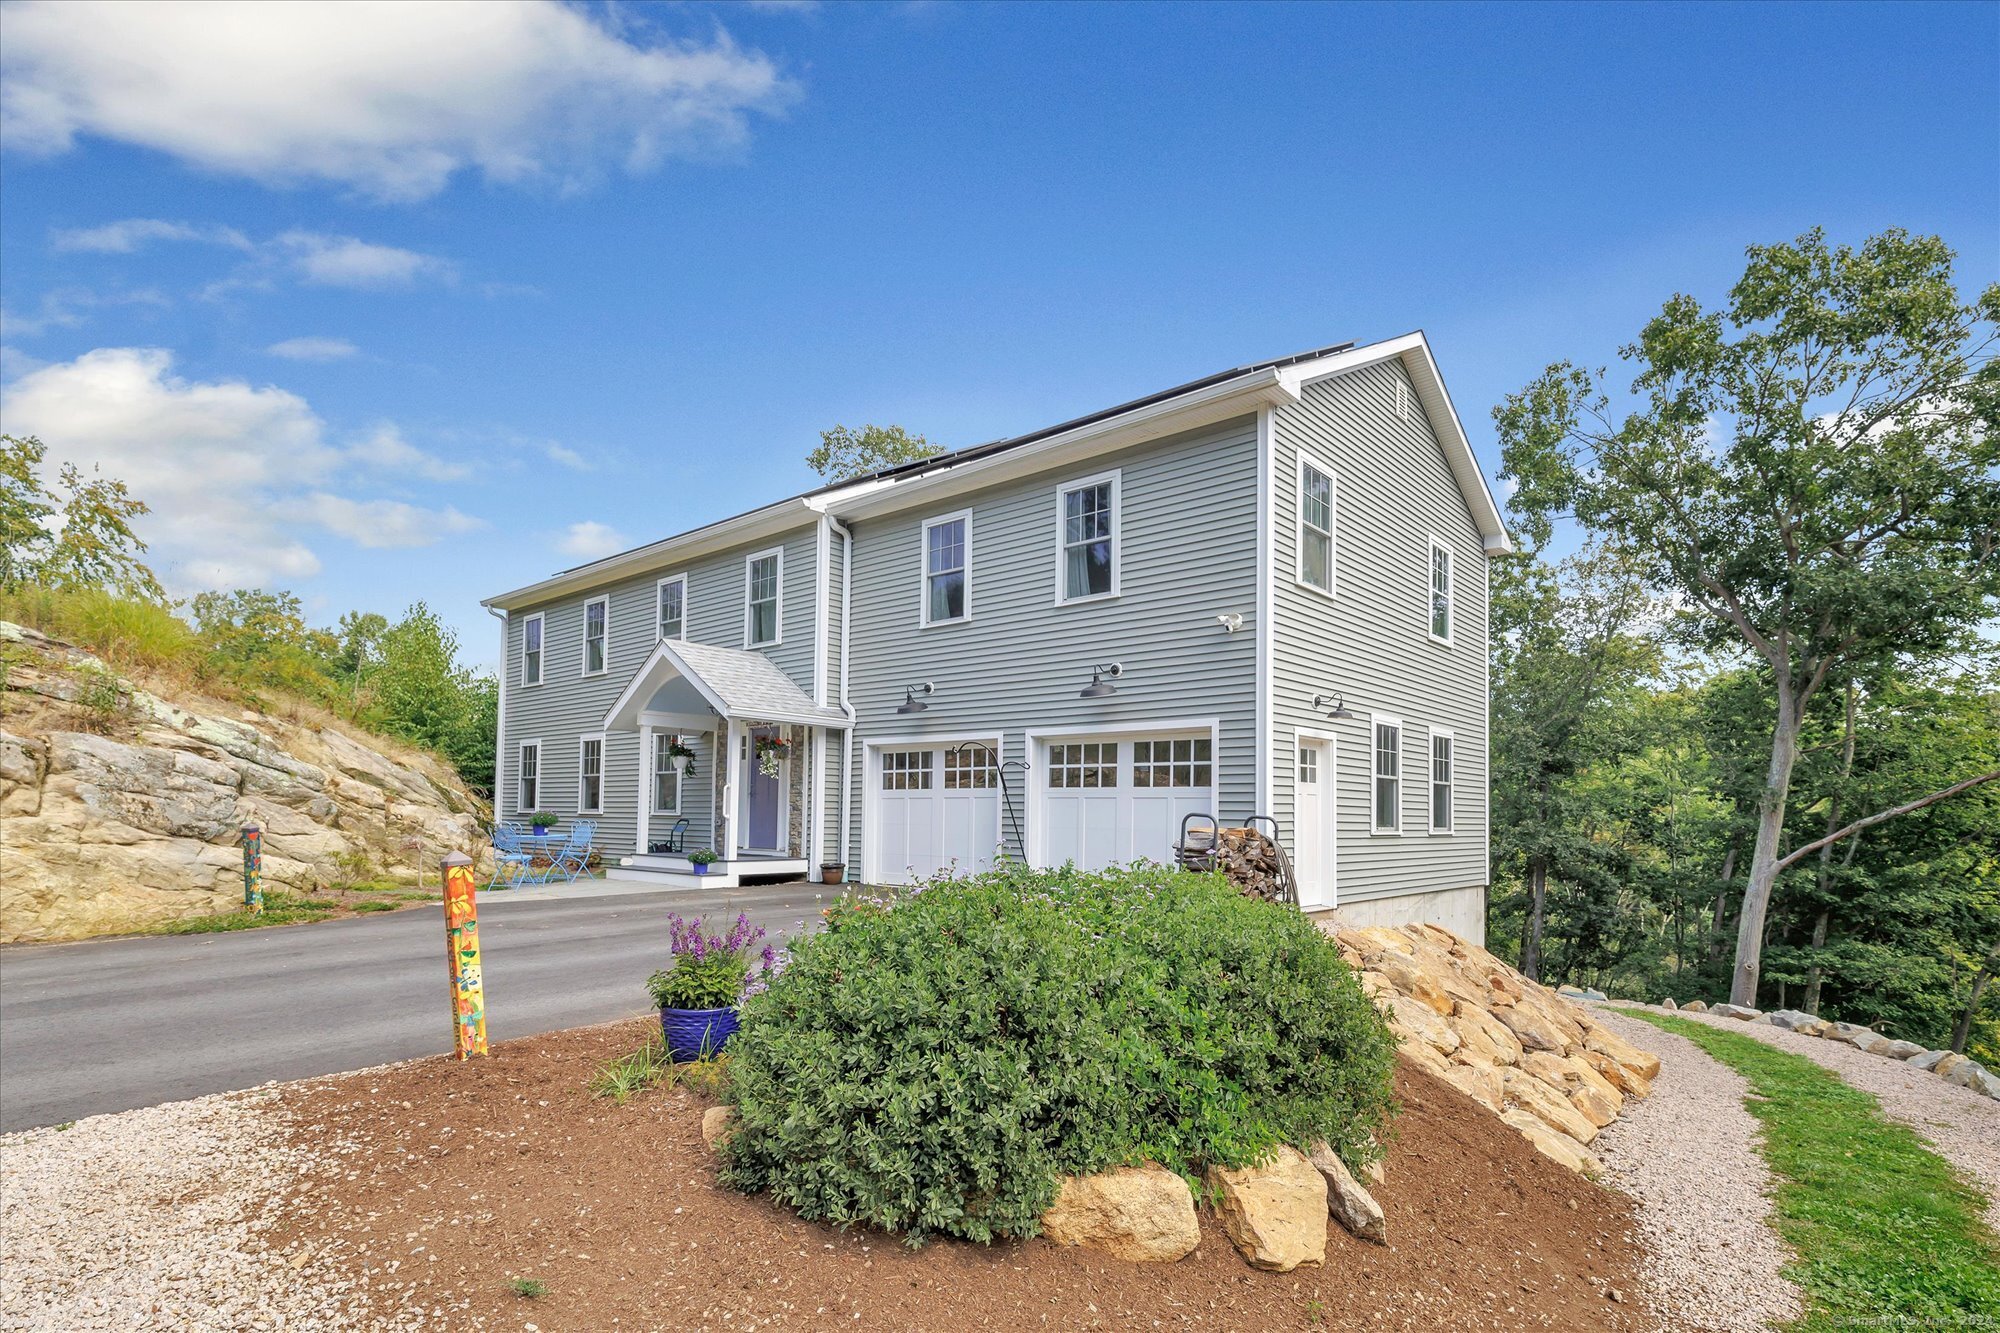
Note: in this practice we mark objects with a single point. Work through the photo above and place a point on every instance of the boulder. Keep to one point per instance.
(1425, 1057)
(1482, 1085)
(1142, 1214)
(1741, 1011)
(1856, 1035)
(1556, 1147)
(1552, 1108)
(1533, 1026)
(1351, 1205)
(1629, 1082)
(1794, 1020)
(1971, 1074)
(1413, 1020)
(1420, 985)
(717, 1124)
(1605, 1042)
(1936, 1062)
(1581, 993)
(1902, 1050)
(1695, 1007)
(1668, 1003)
(1594, 1106)
(1480, 1032)
(1275, 1213)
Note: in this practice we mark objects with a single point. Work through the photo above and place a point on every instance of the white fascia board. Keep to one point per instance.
(1238, 397)
(1414, 351)
(756, 525)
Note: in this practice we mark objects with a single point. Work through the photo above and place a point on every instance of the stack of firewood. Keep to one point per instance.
(1252, 862)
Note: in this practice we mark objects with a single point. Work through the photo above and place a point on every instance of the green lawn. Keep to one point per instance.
(1885, 1232)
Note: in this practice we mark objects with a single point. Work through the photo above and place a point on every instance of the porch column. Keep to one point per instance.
(731, 788)
(645, 790)
(815, 799)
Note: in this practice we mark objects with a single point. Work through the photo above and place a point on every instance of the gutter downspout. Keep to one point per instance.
(847, 750)
(500, 717)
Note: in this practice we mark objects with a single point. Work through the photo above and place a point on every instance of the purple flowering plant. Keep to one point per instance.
(711, 971)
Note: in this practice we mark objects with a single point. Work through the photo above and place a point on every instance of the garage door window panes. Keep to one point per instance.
(1180, 763)
(1089, 764)
(906, 770)
(968, 770)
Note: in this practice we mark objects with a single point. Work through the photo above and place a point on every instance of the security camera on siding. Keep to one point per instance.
(1231, 621)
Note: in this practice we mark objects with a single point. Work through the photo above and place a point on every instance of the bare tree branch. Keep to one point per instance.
(1954, 789)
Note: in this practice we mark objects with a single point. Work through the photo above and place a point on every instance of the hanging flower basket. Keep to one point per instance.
(772, 751)
(682, 759)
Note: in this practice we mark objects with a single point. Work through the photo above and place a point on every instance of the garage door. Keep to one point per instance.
(1110, 801)
(934, 807)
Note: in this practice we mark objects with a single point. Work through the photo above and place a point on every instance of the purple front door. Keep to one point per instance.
(760, 822)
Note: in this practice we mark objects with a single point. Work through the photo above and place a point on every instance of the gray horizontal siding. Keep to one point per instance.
(1189, 553)
(569, 705)
(1370, 641)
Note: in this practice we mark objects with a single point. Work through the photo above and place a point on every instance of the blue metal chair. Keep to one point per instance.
(574, 858)
(511, 861)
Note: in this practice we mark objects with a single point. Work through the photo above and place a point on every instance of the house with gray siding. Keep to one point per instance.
(1263, 592)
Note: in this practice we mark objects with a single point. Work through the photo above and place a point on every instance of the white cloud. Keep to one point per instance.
(66, 307)
(567, 457)
(392, 99)
(385, 450)
(591, 540)
(313, 349)
(380, 524)
(346, 261)
(122, 238)
(230, 469)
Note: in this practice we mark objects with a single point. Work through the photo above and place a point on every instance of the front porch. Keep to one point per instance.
(677, 872)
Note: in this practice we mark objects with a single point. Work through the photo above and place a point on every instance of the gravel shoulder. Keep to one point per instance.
(1959, 1124)
(1688, 1155)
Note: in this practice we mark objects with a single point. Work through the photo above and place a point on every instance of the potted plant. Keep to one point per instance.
(698, 992)
(772, 751)
(701, 860)
(542, 821)
(832, 872)
(681, 757)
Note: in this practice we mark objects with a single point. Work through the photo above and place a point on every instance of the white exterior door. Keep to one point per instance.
(935, 808)
(1313, 816)
(1112, 800)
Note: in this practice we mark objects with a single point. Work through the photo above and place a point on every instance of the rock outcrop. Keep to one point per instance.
(1524, 1052)
(1143, 1214)
(121, 809)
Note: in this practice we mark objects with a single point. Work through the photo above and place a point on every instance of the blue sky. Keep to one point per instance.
(409, 303)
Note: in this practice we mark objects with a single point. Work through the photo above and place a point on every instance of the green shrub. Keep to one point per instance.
(931, 1065)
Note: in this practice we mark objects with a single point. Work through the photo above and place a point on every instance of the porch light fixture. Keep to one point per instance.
(911, 703)
(1099, 687)
(1339, 712)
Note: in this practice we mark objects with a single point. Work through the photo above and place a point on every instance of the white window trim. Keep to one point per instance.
(1450, 591)
(661, 587)
(660, 738)
(778, 620)
(1375, 775)
(924, 620)
(583, 652)
(1430, 784)
(541, 619)
(541, 776)
(1299, 526)
(603, 768)
(1115, 477)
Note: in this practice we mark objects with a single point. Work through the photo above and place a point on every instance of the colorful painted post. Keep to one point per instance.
(253, 870)
(461, 942)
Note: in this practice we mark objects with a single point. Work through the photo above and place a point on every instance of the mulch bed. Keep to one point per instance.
(467, 1176)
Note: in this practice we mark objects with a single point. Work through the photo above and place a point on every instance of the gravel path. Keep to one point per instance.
(1960, 1124)
(152, 1219)
(1688, 1154)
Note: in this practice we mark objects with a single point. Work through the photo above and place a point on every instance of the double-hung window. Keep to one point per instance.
(1315, 527)
(1388, 775)
(666, 777)
(590, 775)
(672, 606)
(1440, 592)
(528, 777)
(531, 650)
(1087, 515)
(763, 577)
(596, 635)
(1441, 757)
(946, 565)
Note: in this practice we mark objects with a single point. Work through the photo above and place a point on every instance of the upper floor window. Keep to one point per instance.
(531, 650)
(1441, 780)
(945, 564)
(1315, 527)
(1088, 514)
(590, 774)
(1388, 775)
(1440, 592)
(596, 635)
(528, 777)
(673, 607)
(762, 583)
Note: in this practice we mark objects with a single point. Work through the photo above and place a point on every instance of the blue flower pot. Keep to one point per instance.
(689, 1031)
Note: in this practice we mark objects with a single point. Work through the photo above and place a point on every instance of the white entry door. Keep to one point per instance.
(1112, 800)
(935, 808)
(1313, 820)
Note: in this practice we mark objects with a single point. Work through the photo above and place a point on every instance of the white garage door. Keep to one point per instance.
(934, 807)
(1110, 801)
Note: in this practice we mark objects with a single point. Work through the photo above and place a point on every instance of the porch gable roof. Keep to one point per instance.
(736, 683)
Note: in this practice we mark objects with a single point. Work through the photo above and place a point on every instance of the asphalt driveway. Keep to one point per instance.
(107, 1025)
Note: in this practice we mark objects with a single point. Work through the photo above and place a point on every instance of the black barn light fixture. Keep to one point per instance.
(911, 703)
(1339, 711)
(1099, 687)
